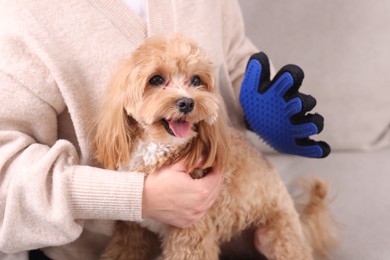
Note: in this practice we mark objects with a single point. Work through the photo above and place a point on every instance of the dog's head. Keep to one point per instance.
(164, 93)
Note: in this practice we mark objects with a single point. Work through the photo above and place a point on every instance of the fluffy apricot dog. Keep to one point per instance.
(163, 99)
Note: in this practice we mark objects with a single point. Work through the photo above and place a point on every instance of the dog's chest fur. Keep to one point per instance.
(147, 154)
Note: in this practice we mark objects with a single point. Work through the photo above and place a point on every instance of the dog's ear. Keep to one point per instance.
(212, 142)
(115, 130)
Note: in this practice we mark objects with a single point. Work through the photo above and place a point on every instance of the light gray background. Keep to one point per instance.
(344, 49)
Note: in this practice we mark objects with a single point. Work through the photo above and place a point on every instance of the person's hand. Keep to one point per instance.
(277, 111)
(172, 197)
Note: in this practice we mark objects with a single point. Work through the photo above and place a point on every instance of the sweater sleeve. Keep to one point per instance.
(45, 194)
(238, 48)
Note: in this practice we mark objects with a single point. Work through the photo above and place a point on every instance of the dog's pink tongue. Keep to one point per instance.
(180, 128)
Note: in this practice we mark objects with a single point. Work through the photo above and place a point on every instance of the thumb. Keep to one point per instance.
(252, 77)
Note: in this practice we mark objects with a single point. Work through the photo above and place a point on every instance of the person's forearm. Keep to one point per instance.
(44, 193)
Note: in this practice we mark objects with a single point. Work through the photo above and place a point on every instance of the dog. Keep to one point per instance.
(165, 97)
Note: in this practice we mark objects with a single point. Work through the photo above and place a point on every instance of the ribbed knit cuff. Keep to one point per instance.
(103, 194)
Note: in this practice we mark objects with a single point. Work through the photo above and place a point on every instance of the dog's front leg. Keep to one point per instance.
(197, 242)
(131, 241)
(281, 237)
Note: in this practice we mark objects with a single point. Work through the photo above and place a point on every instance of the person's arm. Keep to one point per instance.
(238, 48)
(287, 130)
(45, 194)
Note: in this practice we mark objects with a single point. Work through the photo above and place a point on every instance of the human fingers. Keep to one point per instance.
(213, 183)
(311, 148)
(212, 180)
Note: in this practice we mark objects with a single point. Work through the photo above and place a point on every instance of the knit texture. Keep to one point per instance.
(56, 58)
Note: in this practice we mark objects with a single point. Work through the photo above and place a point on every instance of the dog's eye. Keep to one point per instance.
(195, 81)
(156, 80)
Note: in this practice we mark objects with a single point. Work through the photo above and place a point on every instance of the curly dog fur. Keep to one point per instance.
(162, 106)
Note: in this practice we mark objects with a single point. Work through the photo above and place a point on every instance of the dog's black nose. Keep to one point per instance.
(185, 105)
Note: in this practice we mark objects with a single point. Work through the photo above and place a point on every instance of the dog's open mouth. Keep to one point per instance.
(178, 128)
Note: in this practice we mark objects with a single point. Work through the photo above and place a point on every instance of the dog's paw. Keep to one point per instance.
(262, 243)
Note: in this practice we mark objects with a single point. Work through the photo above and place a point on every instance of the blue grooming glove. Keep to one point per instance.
(277, 111)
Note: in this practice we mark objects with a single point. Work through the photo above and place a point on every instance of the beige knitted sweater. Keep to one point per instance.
(55, 60)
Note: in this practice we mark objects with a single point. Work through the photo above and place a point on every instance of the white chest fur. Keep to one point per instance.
(147, 153)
